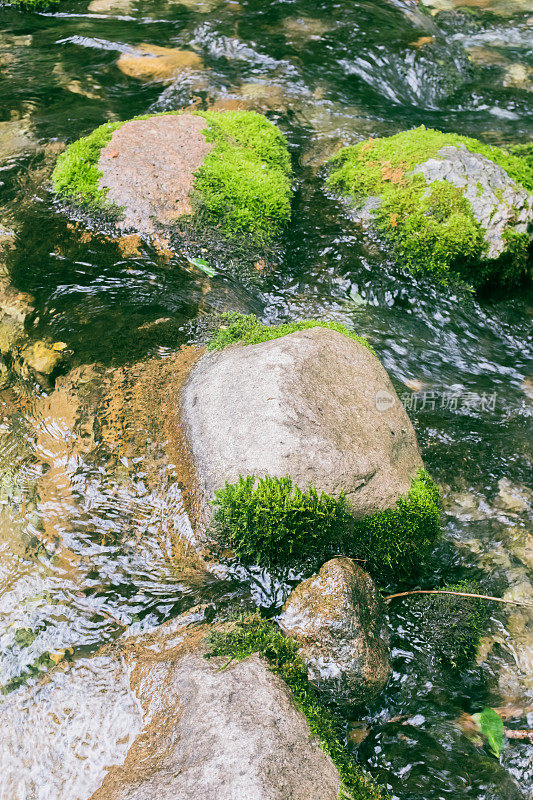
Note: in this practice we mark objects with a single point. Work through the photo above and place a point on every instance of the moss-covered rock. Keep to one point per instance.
(290, 440)
(271, 522)
(229, 171)
(445, 203)
(252, 635)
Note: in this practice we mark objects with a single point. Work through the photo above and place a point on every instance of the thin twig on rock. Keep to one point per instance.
(460, 594)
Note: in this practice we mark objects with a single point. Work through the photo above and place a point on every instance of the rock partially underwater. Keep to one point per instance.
(152, 718)
(337, 618)
(310, 410)
(199, 173)
(445, 203)
(214, 732)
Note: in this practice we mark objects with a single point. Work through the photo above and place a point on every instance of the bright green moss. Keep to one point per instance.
(76, 175)
(431, 229)
(394, 542)
(243, 186)
(452, 625)
(255, 635)
(271, 522)
(437, 231)
(247, 329)
(525, 153)
(30, 5)
(244, 182)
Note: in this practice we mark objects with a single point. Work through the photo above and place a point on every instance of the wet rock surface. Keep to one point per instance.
(149, 167)
(497, 202)
(337, 617)
(211, 732)
(155, 63)
(304, 405)
(15, 308)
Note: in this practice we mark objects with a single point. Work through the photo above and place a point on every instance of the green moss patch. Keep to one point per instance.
(243, 186)
(271, 522)
(452, 625)
(246, 329)
(431, 229)
(396, 541)
(76, 175)
(255, 635)
(244, 182)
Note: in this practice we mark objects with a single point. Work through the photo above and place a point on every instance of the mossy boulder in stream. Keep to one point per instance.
(290, 439)
(337, 617)
(225, 171)
(445, 203)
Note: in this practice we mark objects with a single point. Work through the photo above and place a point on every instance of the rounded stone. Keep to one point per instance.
(337, 618)
(315, 405)
(148, 168)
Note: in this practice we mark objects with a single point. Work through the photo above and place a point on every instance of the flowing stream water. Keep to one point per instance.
(87, 536)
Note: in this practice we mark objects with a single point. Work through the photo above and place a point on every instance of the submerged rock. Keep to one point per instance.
(15, 308)
(200, 172)
(155, 63)
(212, 732)
(513, 497)
(504, 8)
(446, 203)
(337, 617)
(42, 357)
(16, 136)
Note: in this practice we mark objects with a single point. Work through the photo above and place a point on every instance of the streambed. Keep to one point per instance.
(87, 537)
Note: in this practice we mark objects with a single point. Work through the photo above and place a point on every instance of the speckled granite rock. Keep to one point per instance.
(217, 733)
(149, 165)
(308, 405)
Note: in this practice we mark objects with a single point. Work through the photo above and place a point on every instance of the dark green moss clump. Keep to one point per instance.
(396, 541)
(242, 188)
(271, 522)
(454, 625)
(246, 329)
(431, 228)
(255, 635)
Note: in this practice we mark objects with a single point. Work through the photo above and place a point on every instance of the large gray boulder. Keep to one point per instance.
(337, 617)
(315, 405)
(148, 718)
(208, 732)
